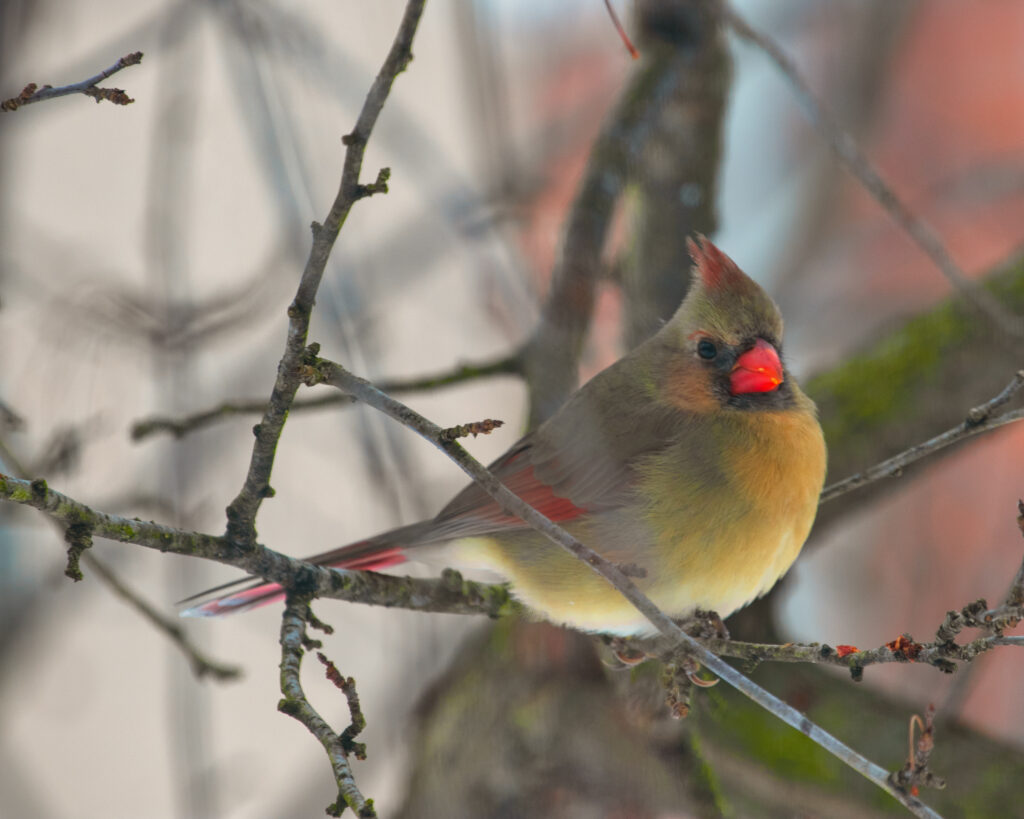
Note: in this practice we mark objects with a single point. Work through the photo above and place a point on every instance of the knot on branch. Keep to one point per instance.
(380, 186)
(473, 428)
(78, 536)
(130, 59)
(973, 615)
(39, 489)
(905, 648)
(239, 532)
(14, 103)
(117, 96)
(311, 368)
(452, 580)
(302, 587)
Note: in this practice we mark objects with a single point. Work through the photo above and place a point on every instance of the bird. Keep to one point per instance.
(695, 460)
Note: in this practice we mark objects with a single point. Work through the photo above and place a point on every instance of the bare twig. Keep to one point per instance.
(201, 664)
(916, 773)
(347, 685)
(1015, 596)
(179, 427)
(979, 419)
(295, 704)
(241, 513)
(330, 373)
(622, 32)
(857, 163)
(32, 93)
(474, 428)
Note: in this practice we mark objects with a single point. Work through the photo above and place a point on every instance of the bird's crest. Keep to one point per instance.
(716, 270)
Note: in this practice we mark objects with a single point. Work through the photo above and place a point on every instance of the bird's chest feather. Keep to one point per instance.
(734, 505)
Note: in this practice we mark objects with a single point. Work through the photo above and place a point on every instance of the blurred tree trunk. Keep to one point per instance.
(674, 182)
(527, 722)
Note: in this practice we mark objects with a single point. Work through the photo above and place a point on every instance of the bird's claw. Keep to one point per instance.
(626, 655)
(700, 682)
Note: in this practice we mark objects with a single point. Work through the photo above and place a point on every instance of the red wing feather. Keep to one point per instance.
(474, 512)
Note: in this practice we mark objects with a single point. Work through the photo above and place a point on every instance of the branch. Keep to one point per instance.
(323, 371)
(241, 513)
(979, 419)
(857, 163)
(179, 427)
(201, 664)
(31, 93)
(295, 704)
(551, 356)
(450, 594)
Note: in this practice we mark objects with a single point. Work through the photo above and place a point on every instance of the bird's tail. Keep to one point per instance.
(376, 553)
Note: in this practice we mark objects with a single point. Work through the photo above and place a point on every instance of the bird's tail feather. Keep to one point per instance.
(376, 553)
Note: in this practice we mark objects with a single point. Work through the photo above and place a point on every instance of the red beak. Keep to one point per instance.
(757, 370)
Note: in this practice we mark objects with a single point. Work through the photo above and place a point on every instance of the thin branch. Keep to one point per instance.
(330, 373)
(550, 358)
(295, 704)
(32, 93)
(347, 685)
(940, 654)
(979, 419)
(1015, 596)
(857, 163)
(179, 427)
(241, 513)
(202, 665)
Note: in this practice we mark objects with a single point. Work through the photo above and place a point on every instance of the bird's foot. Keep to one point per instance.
(712, 625)
(700, 682)
(626, 655)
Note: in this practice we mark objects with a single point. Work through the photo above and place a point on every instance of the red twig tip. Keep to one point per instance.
(622, 32)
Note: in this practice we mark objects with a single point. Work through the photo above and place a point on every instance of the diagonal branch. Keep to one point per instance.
(330, 373)
(979, 419)
(201, 664)
(32, 93)
(857, 163)
(241, 513)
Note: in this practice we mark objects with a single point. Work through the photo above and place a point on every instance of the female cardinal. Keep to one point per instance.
(695, 460)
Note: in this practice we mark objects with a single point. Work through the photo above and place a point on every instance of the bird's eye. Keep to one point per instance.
(706, 349)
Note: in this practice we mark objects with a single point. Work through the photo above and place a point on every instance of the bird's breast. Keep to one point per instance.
(727, 533)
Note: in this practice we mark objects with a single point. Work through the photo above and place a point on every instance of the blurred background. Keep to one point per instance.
(148, 253)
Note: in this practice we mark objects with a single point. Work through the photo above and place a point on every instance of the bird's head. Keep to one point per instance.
(729, 334)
